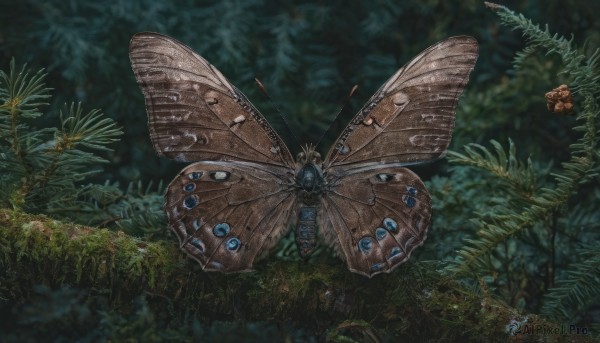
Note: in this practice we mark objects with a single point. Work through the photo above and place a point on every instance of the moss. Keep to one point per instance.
(415, 302)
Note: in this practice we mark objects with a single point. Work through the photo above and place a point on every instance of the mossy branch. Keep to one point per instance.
(415, 303)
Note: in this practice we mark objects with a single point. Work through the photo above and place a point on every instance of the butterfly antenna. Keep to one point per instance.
(264, 91)
(344, 104)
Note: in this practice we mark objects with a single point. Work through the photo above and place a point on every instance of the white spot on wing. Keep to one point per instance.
(220, 175)
(400, 99)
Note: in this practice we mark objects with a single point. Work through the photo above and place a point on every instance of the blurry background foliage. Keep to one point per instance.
(309, 54)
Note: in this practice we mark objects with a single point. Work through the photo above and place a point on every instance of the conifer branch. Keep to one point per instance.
(508, 221)
(505, 167)
(579, 169)
(20, 95)
(581, 285)
(41, 166)
(41, 169)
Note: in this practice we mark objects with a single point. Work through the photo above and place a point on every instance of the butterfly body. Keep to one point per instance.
(245, 189)
(310, 186)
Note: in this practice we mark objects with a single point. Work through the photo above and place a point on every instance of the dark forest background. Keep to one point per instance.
(308, 55)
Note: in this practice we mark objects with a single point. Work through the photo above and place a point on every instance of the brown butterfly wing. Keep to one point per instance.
(194, 113)
(234, 205)
(227, 214)
(375, 211)
(374, 219)
(411, 117)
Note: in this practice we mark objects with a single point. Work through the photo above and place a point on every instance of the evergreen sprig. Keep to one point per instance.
(547, 204)
(580, 286)
(515, 174)
(41, 168)
(137, 211)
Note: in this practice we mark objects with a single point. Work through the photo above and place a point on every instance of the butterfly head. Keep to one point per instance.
(308, 155)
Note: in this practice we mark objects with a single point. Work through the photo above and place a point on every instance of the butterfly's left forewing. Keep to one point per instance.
(410, 118)
(194, 113)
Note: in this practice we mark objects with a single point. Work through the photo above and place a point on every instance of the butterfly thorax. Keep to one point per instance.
(309, 176)
(310, 184)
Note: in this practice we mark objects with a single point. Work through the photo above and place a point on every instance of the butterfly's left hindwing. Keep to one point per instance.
(227, 214)
(376, 218)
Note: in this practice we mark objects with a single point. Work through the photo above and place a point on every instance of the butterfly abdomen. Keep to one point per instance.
(306, 230)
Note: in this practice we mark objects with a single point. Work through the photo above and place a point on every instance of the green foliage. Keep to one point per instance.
(525, 228)
(69, 314)
(137, 210)
(521, 221)
(578, 286)
(42, 169)
(508, 170)
(308, 55)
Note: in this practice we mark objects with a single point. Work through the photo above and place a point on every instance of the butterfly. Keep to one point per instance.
(244, 189)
